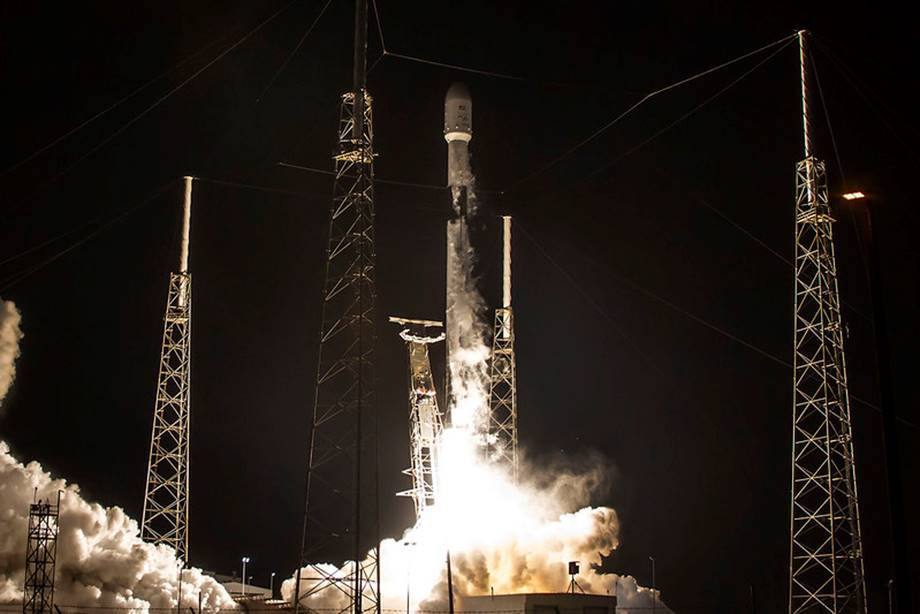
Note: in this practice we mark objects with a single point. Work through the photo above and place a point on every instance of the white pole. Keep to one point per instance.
(803, 71)
(186, 225)
(506, 286)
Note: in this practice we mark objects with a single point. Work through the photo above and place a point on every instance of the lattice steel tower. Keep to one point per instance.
(503, 421)
(425, 419)
(165, 517)
(825, 556)
(41, 554)
(340, 507)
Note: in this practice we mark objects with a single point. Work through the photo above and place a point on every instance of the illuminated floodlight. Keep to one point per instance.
(854, 196)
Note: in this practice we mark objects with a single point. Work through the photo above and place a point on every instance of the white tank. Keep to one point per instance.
(458, 114)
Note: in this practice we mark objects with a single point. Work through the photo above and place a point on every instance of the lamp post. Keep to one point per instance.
(898, 543)
(652, 559)
(244, 560)
(271, 585)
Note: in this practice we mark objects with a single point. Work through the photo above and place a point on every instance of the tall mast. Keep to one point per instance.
(341, 521)
(165, 516)
(503, 411)
(825, 547)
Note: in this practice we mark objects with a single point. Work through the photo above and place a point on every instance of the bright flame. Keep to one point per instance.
(503, 536)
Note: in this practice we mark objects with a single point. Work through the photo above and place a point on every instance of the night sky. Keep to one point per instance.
(619, 254)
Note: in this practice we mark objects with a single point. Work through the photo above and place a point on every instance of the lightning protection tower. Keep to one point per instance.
(340, 506)
(165, 517)
(503, 421)
(825, 557)
(425, 420)
(41, 553)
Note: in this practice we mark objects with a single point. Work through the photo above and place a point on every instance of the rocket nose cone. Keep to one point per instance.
(458, 114)
(456, 93)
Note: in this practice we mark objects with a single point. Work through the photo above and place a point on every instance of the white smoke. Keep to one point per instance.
(101, 560)
(503, 536)
(10, 334)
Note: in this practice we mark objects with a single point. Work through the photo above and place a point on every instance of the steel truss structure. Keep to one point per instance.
(425, 419)
(165, 517)
(340, 513)
(826, 557)
(503, 436)
(41, 555)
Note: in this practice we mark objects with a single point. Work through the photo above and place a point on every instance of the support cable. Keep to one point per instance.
(639, 103)
(13, 280)
(673, 306)
(111, 107)
(294, 51)
(686, 115)
(150, 108)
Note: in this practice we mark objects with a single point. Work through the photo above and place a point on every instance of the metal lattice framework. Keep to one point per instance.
(825, 551)
(826, 560)
(503, 437)
(503, 422)
(340, 521)
(41, 554)
(425, 419)
(165, 518)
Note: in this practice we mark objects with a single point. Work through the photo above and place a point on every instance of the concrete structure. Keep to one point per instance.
(540, 603)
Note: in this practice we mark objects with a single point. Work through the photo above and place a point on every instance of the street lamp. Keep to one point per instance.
(271, 585)
(244, 560)
(889, 415)
(652, 559)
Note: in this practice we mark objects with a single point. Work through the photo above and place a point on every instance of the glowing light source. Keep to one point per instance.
(854, 196)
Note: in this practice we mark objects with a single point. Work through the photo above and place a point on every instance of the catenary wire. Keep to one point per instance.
(11, 281)
(294, 51)
(151, 107)
(654, 296)
(111, 107)
(686, 115)
(636, 105)
(568, 277)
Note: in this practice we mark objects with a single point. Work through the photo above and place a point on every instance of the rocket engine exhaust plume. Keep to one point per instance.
(507, 536)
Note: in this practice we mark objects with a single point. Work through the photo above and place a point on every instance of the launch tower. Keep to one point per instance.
(503, 436)
(340, 506)
(825, 557)
(165, 516)
(425, 424)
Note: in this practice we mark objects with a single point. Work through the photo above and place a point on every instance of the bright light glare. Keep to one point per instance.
(854, 196)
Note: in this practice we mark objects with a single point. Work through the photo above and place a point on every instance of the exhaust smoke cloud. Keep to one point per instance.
(101, 559)
(10, 334)
(503, 536)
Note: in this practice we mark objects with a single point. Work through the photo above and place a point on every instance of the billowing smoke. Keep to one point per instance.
(101, 560)
(503, 536)
(10, 334)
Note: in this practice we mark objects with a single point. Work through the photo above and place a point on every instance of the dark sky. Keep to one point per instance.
(695, 427)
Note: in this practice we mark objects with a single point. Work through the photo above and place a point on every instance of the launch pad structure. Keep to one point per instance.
(41, 557)
(341, 520)
(503, 412)
(165, 515)
(425, 418)
(825, 551)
